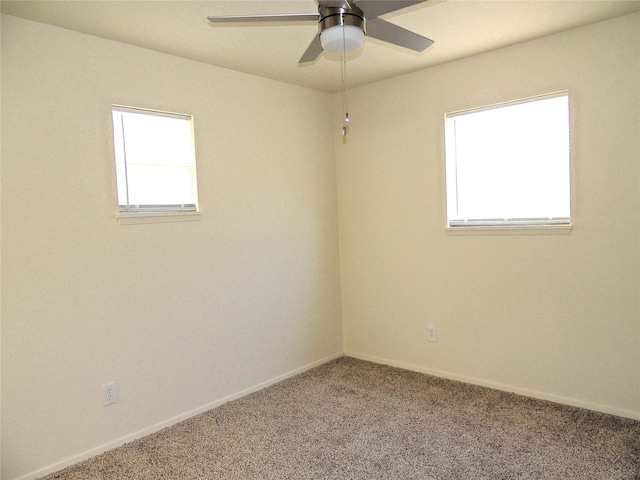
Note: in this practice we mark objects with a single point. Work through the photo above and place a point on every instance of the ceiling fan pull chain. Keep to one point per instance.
(345, 127)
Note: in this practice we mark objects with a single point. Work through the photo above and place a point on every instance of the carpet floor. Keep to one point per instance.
(351, 419)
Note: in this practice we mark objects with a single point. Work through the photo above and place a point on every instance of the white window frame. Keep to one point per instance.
(539, 224)
(157, 212)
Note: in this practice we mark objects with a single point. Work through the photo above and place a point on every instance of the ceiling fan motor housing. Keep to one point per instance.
(348, 38)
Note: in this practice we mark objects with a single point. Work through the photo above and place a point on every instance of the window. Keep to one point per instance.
(508, 165)
(155, 162)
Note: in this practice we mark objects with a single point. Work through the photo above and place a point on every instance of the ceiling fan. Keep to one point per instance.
(343, 24)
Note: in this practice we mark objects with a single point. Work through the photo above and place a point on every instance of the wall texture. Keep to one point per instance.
(180, 315)
(553, 316)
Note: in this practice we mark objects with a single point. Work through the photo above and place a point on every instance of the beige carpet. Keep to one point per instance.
(351, 419)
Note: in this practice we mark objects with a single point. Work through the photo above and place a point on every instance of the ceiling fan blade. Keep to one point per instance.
(375, 8)
(388, 32)
(267, 17)
(313, 51)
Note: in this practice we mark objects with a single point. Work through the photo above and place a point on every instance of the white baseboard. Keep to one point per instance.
(172, 421)
(499, 386)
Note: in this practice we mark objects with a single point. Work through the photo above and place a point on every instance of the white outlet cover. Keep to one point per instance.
(109, 394)
(432, 334)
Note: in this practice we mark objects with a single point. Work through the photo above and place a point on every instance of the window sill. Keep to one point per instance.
(511, 230)
(141, 218)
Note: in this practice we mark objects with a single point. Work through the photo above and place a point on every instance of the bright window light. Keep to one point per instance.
(155, 161)
(509, 164)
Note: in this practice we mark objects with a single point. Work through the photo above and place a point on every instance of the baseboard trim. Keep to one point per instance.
(499, 386)
(172, 421)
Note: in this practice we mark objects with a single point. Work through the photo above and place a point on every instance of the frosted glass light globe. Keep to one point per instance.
(332, 39)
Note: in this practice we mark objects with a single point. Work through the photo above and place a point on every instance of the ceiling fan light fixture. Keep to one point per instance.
(342, 39)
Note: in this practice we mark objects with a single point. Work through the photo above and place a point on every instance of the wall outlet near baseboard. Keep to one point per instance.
(432, 334)
(109, 394)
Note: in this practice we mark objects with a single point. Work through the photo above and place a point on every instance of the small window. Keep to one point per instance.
(155, 162)
(508, 165)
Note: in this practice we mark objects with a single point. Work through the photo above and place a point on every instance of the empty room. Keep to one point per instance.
(331, 281)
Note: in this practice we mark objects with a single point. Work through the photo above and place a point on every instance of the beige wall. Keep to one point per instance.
(554, 316)
(180, 315)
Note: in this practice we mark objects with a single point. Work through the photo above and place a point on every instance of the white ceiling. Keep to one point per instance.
(460, 28)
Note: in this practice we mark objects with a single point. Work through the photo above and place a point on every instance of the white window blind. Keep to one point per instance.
(508, 165)
(155, 161)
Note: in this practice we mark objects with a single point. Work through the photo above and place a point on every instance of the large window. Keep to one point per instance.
(155, 161)
(508, 165)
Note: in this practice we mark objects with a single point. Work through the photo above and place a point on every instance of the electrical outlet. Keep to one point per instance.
(109, 394)
(432, 334)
